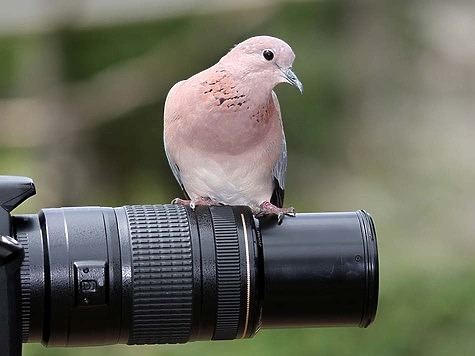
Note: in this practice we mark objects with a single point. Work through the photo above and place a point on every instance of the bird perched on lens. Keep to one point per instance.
(223, 131)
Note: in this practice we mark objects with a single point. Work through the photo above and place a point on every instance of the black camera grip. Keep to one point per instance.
(13, 191)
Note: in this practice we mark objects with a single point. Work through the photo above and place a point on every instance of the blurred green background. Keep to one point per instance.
(386, 123)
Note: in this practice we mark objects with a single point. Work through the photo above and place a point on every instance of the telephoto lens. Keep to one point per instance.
(149, 274)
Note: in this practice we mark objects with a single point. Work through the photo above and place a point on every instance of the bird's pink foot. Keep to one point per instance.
(181, 202)
(267, 208)
(204, 201)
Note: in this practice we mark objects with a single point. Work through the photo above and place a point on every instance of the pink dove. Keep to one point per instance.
(223, 131)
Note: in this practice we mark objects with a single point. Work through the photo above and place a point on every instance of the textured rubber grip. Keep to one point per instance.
(228, 274)
(25, 275)
(162, 274)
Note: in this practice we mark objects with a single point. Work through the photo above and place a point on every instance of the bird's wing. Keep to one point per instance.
(280, 167)
(175, 169)
(169, 108)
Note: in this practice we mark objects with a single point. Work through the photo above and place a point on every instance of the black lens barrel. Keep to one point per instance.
(151, 274)
(72, 286)
(320, 269)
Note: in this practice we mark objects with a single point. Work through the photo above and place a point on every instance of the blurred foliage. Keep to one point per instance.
(385, 123)
(13, 54)
(89, 51)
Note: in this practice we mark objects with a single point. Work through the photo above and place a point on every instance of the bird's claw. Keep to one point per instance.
(204, 201)
(181, 202)
(267, 208)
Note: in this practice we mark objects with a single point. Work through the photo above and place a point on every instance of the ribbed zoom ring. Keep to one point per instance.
(228, 274)
(162, 274)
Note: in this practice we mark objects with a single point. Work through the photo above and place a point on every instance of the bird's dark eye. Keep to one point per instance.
(268, 54)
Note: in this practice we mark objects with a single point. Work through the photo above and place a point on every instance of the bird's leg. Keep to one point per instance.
(267, 208)
(204, 201)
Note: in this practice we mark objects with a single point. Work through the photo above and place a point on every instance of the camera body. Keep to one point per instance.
(13, 191)
(148, 274)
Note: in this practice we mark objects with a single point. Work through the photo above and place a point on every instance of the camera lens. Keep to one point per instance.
(148, 274)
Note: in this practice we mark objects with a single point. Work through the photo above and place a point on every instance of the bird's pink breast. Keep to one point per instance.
(228, 116)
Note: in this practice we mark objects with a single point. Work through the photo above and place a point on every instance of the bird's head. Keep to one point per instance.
(266, 58)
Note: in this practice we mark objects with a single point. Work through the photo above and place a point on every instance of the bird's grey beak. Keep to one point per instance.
(292, 78)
